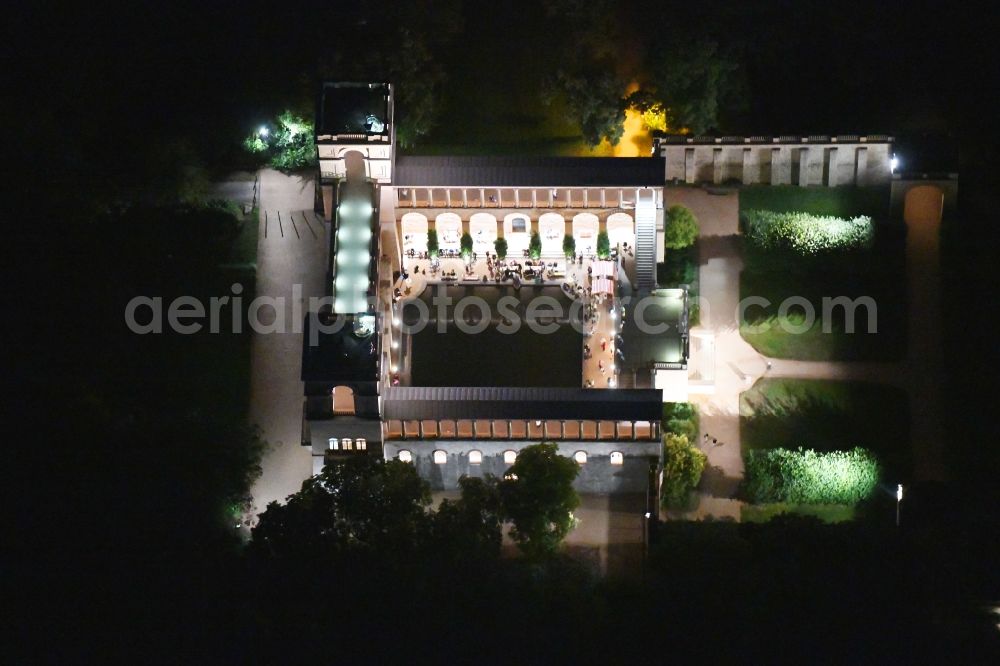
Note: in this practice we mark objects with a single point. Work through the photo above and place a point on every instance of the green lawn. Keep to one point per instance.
(827, 416)
(878, 273)
(844, 201)
(244, 251)
(828, 513)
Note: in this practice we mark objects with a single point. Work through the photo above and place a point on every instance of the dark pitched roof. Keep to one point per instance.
(476, 171)
(414, 403)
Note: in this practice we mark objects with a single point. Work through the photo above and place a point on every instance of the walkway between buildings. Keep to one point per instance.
(284, 259)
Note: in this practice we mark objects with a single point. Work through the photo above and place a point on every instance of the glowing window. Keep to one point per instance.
(475, 457)
(332, 444)
(617, 458)
(361, 443)
(347, 444)
(580, 457)
(440, 457)
(405, 456)
(509, 457)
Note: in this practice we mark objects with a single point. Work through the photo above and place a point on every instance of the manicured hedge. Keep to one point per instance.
(809, 477)
(806, 234)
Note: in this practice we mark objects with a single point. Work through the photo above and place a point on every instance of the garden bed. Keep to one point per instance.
(828, 416)
(776, 275)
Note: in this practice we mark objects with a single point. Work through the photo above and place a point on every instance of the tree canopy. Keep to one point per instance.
(680, 229)
(287, 143)
(692, 78)
(538, 497)
(682, 468)
(359, 504)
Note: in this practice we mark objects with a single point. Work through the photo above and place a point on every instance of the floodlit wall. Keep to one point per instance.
(815, 160)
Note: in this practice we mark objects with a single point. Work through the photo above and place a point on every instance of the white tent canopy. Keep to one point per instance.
(449, 231)
(603, 269)
(585, 228)
(517, 231)
(551, 228)
(414, 232)
(620, 229)
(602, 285)
(483, 228)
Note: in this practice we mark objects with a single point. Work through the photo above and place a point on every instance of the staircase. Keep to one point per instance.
(645, 241)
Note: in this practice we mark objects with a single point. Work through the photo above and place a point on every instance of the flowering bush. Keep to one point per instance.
(807, 234)
(809, 477)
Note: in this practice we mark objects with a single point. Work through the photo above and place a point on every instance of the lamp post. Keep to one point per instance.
(899, 499)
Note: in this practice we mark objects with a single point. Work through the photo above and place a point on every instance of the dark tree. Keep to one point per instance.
(361, 503)
(469, 529)
(695, 81)
(538, 497)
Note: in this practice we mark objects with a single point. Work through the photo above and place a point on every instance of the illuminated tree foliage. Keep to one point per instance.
(432, 243)
(286, 144)
(689, 82)
(807, 234)
(569, 245)
(809, 477)
(500, 247)
(681, 228)
(682, 468)
(603, 245)
(535, 246)
(466, 244)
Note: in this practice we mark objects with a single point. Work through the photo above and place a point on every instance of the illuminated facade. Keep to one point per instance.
(459, 390)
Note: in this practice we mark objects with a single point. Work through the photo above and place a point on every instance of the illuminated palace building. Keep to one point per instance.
(443, 349)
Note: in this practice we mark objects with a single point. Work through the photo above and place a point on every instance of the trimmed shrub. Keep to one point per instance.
(603, 245)
(680, 229)
(807, 234)
(432, 243)
(809, 477)
(682, 468)
(569, 246)
(535, 246)
(466, 244)
(500, 247)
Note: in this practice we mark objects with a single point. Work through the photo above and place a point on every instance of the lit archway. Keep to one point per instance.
(449, 231)
(517, 231)
(414, 226)
(621, 229)
(343, 400)
(585, 228)
(483, 228)
(552, 229)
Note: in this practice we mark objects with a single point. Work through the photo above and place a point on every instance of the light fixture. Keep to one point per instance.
(405, 456)
(263, 131)
(395, 368)
(894, 164)
(395, 344)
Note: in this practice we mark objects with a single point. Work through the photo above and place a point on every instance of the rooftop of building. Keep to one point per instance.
(527, 171)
